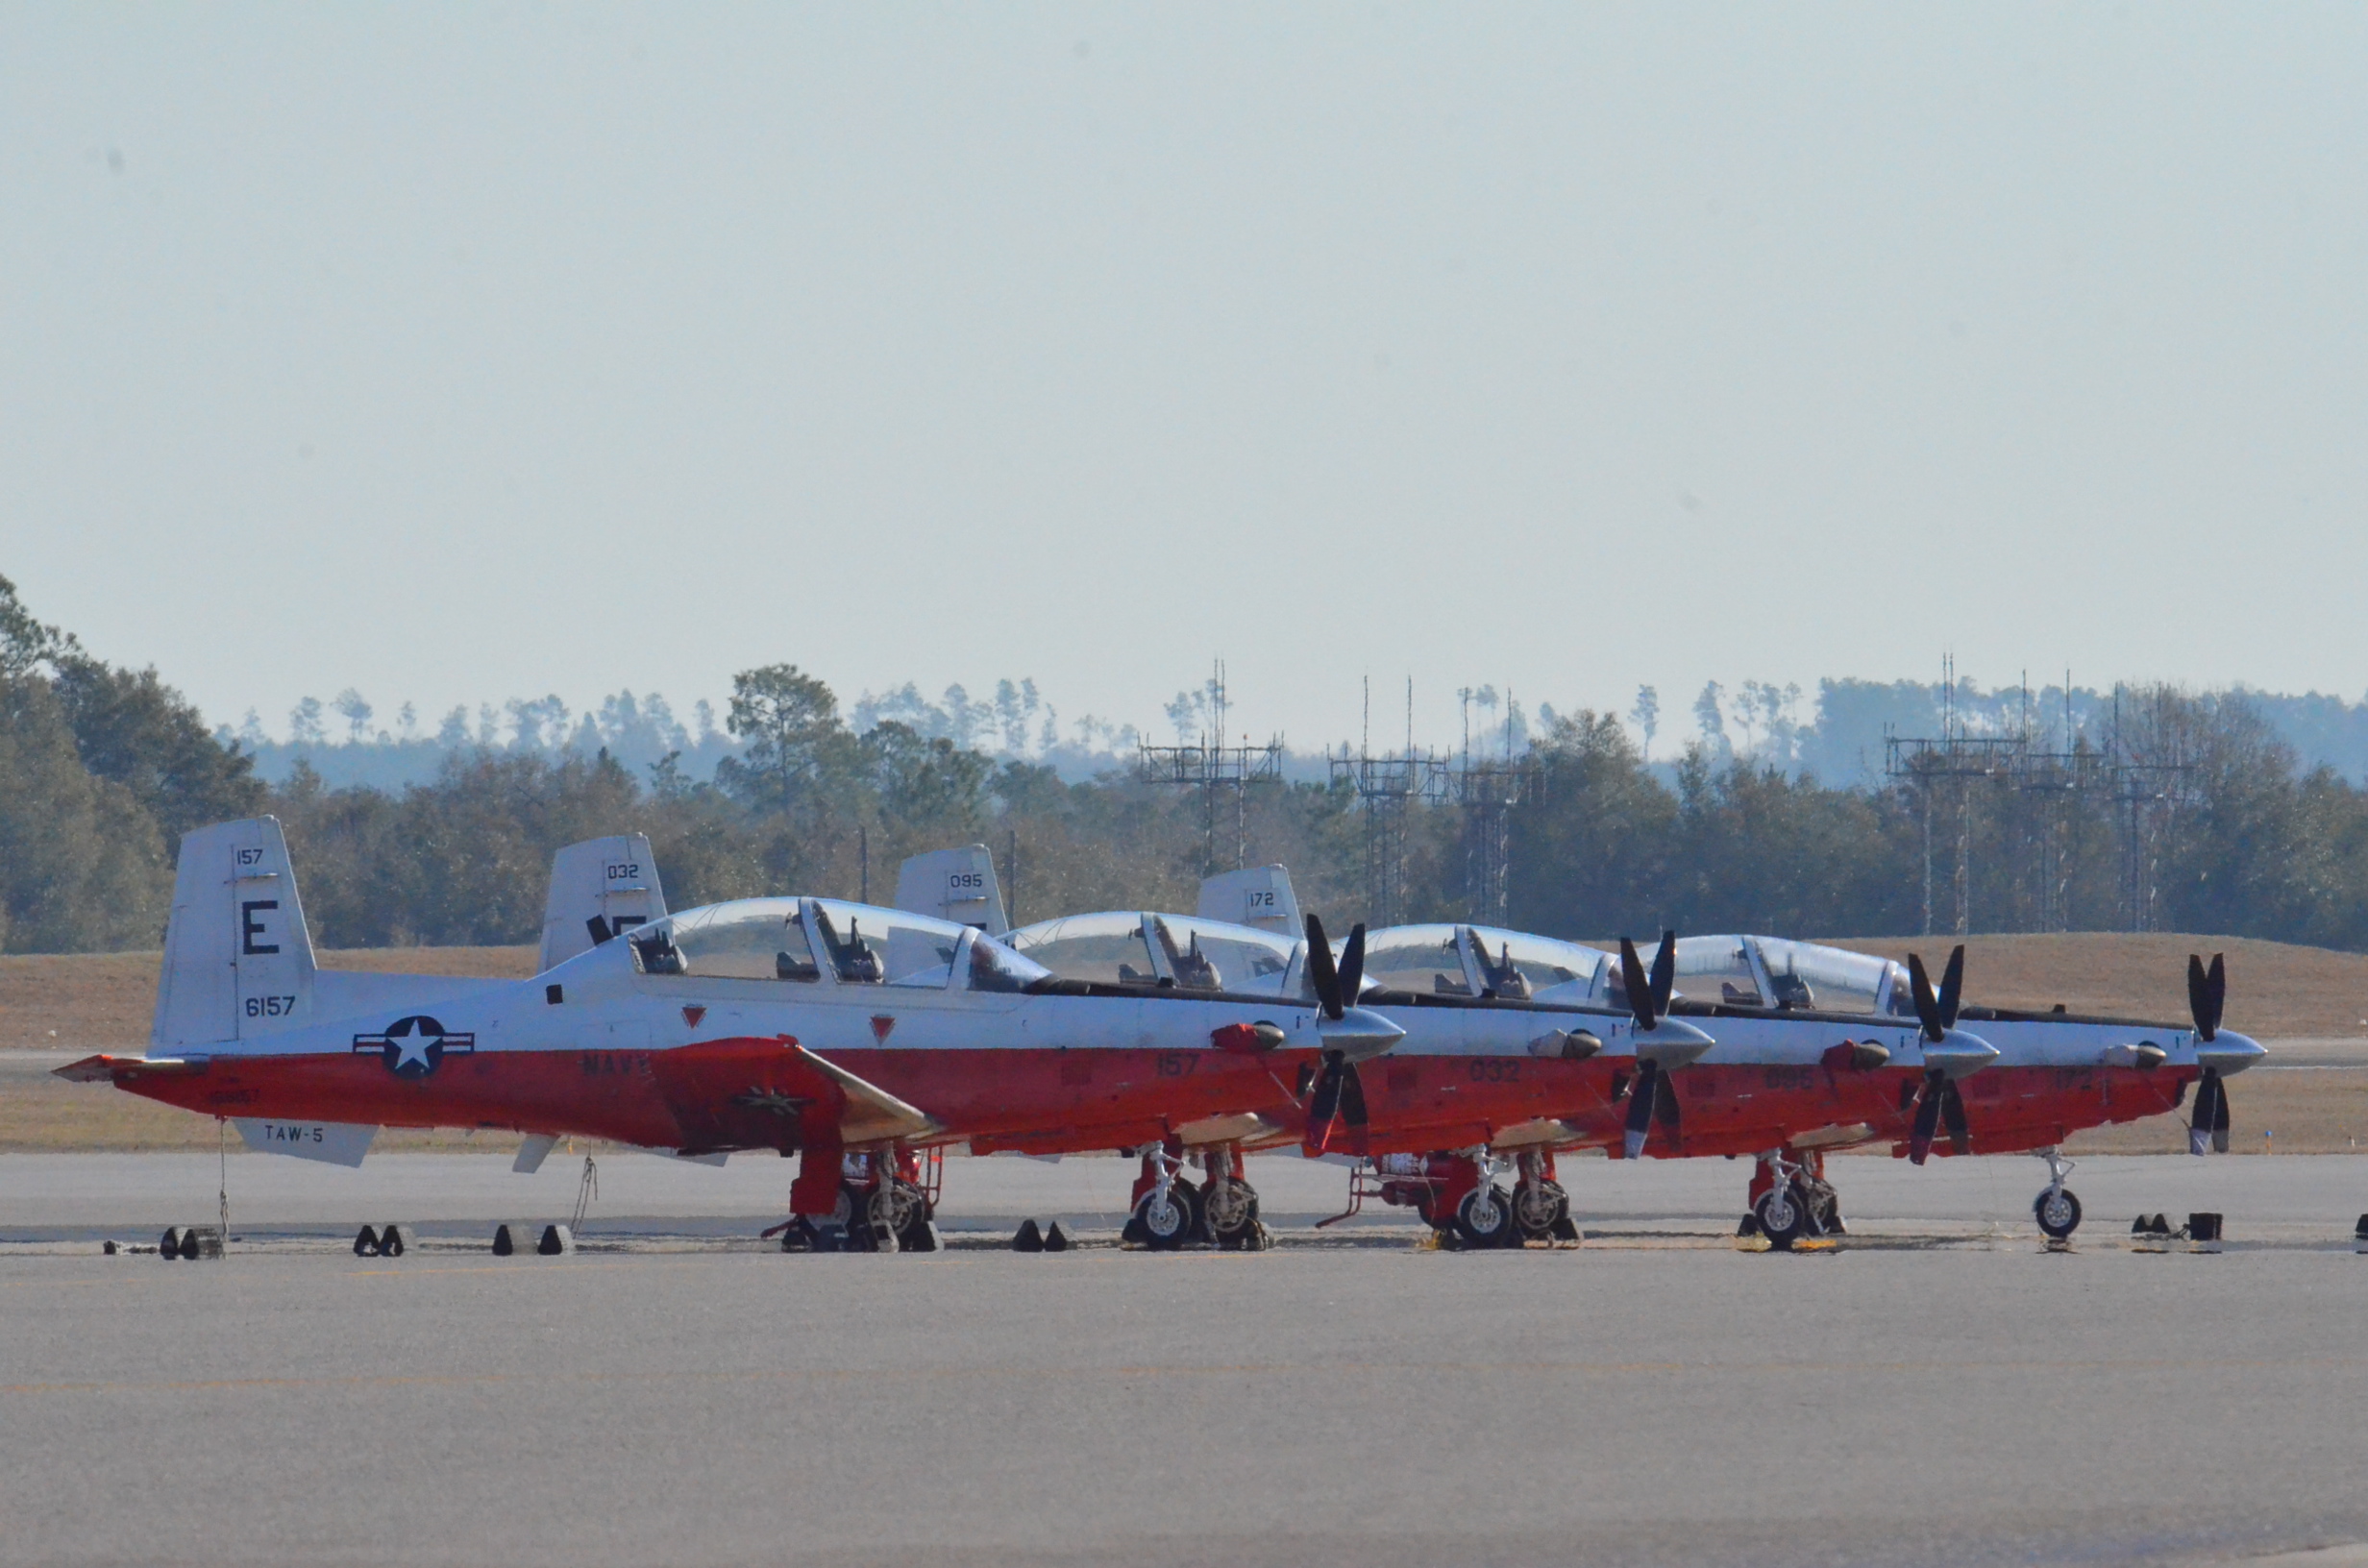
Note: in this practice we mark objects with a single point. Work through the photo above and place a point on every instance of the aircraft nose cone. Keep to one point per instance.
(1671, 1044)
(1959, 1052)
(2228, 1052)
(1359, 1034)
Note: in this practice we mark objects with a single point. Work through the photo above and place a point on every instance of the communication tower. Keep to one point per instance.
(1214, 768)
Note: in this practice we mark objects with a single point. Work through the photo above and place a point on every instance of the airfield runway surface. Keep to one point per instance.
(1940, 1390)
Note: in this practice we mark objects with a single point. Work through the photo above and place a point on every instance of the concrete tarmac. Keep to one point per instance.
(1942, 1391)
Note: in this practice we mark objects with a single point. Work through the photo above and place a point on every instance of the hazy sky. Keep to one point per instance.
(455, 354)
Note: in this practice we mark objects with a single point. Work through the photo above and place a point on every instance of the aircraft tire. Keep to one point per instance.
(2058, 1211)
(1229, 1209)
(1783, 1217)
(1538, 1208)
(1484, 1219)
(894, 1205)
(1167, 1225)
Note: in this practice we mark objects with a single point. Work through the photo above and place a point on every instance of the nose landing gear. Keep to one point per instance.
(2057, 1210)
(1791, 1201)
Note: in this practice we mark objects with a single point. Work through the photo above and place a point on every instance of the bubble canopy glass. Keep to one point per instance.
(827, 941)
(1138, 948)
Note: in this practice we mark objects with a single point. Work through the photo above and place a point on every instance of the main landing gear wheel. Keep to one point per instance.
(1782, 1216)
(896, 1208)
(1167, 1221)
(1230, 1208)
(2058, 1211)
(1484, 1219)
(1538, 1208)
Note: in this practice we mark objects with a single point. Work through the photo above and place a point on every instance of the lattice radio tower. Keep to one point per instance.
(1214, 769)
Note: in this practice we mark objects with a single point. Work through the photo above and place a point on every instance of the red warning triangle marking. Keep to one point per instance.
(881, 1024)
(692, 1013)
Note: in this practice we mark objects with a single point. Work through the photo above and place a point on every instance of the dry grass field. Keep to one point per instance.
(2275, 991)
(101, 1002)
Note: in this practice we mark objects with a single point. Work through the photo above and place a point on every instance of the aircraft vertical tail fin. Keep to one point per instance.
(954, 885)
(1260, 896)
(238, 958)
(599, 888)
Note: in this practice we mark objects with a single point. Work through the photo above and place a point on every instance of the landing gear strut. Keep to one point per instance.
(1229, 1204)
(1469, 1205)
(2057, 1210)
(884, 1202)
(1540, 1208)
(1791, 1200)
(1168, 1211)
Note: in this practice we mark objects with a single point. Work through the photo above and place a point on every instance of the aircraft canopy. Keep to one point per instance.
(1482, 960)
(1135, 948)
(813, 939)
(1774, 971)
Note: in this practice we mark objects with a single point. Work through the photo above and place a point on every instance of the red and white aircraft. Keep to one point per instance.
(1852, 1050)
(809, 1026)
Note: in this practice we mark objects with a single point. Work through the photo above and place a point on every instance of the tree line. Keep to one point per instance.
(2211, 826)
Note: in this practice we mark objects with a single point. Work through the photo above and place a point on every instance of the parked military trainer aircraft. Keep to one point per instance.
(809, 1026)
(1853, 1050)
(2040, 1077)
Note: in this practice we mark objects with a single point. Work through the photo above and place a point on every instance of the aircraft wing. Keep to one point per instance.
(763, 1093)
(872, 1112)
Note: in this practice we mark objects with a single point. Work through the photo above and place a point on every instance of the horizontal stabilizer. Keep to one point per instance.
(110, 1070)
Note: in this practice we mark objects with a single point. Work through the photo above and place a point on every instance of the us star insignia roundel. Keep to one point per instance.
(416, 1046)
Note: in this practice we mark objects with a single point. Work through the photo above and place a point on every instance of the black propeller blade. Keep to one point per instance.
(1319, 970)
(1652, 1098)
(2208, 993)
(1936, 1014)
(1952, 986)
(1927, 1121)
(1352, 965)
(1337, 1101)
(1639, 989)
(1337, 1096)
(2208, 1124)
(1642, 1095)
(1939, 1105)
(1953, 1117)
(1664, 972)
